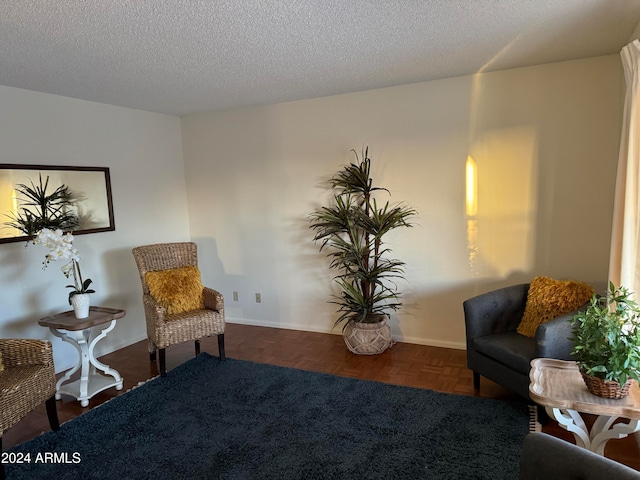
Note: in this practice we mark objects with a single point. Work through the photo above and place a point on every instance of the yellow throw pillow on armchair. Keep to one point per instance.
(548, 299)
(178, 289)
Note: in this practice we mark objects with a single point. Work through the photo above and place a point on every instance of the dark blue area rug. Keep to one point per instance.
(242, 420)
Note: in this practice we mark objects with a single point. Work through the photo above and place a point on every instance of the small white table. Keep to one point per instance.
(558, 386)
(77, 332)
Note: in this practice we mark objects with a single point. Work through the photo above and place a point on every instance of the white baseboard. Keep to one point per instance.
(338, 331)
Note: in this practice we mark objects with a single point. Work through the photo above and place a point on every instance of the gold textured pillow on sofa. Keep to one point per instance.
(178, 289)
(548, 299)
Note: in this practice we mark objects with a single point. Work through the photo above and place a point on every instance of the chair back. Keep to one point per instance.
(164, 256)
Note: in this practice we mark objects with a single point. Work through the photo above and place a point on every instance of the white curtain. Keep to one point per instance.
(624, 264)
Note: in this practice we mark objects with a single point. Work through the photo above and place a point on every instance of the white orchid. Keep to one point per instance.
(61, 247)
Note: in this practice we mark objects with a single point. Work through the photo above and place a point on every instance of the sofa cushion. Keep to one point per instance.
(178, 289)
(548, 299)
(509, 348)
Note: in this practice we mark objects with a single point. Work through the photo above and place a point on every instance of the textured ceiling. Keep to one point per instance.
(186, 56)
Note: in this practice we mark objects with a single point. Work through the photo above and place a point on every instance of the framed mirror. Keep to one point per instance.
(33, 197)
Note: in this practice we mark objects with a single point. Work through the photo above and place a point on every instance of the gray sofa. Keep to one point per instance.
(545, 457)
(497, 351)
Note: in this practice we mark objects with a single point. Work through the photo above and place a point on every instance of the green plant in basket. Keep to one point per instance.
(606, 337)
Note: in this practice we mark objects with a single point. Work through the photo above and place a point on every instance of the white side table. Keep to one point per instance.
(77, 332)
(558, 386)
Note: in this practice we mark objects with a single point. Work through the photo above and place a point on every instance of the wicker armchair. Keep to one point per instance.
(164, 329)
(28, 379)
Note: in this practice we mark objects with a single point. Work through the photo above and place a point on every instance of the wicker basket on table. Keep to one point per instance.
(606, 388)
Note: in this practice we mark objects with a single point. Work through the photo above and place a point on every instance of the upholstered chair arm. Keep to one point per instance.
(545, 456)
(552, 338)
(213, 300)
(493, 312)
(17, 351)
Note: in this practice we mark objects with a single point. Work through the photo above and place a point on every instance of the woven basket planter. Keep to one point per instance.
(368, 338)
(605, 388)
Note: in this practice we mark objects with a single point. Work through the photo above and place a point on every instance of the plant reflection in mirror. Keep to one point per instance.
(42, 209)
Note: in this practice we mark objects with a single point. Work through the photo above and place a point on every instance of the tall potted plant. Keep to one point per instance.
(352, 230)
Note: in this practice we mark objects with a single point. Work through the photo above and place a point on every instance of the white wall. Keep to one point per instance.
(144, 154)
(636, 33)
(545, 140)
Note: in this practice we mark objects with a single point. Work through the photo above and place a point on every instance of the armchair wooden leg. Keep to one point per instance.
(52, 413)
(221, 347)
(197, 347)
(476, 380)
(151, 347)
(163, 363)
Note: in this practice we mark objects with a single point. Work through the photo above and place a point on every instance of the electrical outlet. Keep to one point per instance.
(258, 298)
(235, 296)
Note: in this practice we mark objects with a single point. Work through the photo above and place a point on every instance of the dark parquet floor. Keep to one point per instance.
(435, 368)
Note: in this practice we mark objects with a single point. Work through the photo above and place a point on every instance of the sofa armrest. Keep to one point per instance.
(544, 456)
(552, 338)
(494, 312)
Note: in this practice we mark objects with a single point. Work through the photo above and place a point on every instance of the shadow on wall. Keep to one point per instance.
(24, 292)
(123, 282)
(436, 317)
(239, 290)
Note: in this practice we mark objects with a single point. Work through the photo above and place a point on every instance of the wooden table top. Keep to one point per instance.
(559, 384)
(68, 320)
